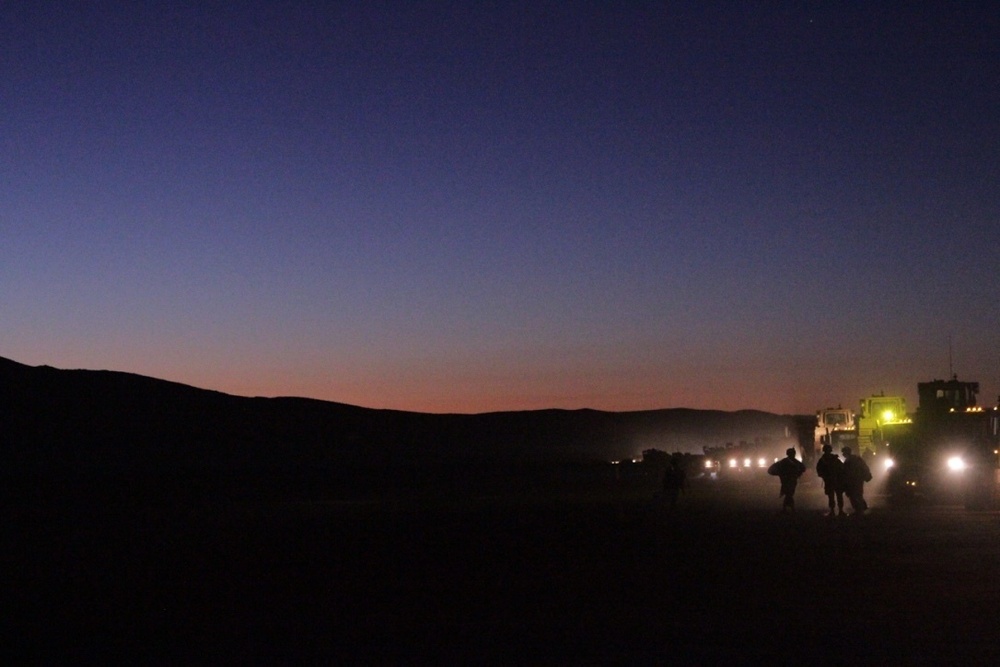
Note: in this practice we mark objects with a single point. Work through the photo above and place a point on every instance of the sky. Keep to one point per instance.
(474, 207)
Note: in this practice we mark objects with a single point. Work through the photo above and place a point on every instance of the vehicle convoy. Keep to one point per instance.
(949, 451)
(867, 433)
(746, 459)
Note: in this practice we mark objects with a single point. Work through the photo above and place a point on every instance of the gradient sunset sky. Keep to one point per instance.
(480, 206)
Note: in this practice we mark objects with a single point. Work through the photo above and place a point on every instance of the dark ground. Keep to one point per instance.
(592, 573)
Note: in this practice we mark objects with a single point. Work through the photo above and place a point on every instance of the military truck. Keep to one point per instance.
(880, 419)
(835, 427)
(950, 451)
(746, 459)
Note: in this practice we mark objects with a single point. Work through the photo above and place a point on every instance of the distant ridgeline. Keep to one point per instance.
(109, 422)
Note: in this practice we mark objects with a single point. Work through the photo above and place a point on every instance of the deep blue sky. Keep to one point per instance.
(487, 206)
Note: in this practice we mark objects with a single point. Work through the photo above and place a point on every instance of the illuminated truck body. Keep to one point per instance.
(879, 418)
(835, 427)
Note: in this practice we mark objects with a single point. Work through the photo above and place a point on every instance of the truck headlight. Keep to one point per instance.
(956, 464)
(888, 463)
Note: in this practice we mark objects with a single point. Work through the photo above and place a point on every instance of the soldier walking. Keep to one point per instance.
(788, 470)
(830, 469)
(856, 473)
(674, 481)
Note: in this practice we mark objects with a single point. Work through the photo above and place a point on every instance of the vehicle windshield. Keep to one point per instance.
(836, 418)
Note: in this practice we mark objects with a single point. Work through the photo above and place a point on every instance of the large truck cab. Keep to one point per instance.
(947, 396)
(953, 452)
(834, 427)
(880, 419)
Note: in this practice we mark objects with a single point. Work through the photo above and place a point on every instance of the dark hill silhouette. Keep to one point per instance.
(82, 422)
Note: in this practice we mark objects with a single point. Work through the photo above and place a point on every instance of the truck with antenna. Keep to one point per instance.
(950, 452)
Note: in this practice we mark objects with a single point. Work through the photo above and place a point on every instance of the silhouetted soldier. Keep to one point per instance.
(674, 481)
(788, 470)
(831, 470)
(856, 473)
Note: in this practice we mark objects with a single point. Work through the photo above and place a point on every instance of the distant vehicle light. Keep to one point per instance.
(889, 463)
(956, 464)
(761, 462)
(747, 463)
(732, 463)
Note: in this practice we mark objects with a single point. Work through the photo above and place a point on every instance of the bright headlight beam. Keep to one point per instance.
(956, 464)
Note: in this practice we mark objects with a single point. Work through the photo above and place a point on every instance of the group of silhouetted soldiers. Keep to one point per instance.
(839, 478)
(843, 477)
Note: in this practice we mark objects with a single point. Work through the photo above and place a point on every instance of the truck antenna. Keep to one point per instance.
(951, 365)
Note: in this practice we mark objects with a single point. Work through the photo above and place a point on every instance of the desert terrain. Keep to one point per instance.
(146, 522)
(592, 570)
